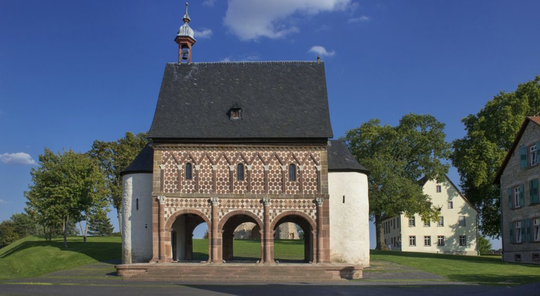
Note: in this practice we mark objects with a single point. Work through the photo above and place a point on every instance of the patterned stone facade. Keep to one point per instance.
(268, 194)
(214, 170)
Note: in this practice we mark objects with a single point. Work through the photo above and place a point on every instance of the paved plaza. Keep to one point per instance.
(382, 278)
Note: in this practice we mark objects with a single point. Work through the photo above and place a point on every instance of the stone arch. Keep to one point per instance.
(173, 217)
(225, 218)
(293, 213)
(226, 228)
(309, 232)
(179, 234)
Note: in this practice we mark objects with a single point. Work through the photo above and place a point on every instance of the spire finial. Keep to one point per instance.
(186, 16)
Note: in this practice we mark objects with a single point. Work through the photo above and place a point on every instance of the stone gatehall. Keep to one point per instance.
(236, 142)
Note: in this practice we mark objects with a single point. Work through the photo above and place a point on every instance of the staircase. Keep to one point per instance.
(238, 272)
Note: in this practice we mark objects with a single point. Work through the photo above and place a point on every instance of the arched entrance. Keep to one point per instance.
(181, 225)
(227, 226)
(306, 232)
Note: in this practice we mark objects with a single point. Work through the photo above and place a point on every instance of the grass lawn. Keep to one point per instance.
(486, 270)
(251, 249)
(32, 256)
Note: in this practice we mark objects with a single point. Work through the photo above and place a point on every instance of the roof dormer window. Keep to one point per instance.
(235, 112)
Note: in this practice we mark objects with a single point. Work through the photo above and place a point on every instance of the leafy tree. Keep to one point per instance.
(8, 233)
(24, 224)
(65, 187)
(400, 159)
(484, 245)
(100, 224)
(113, 158)
(480, 153)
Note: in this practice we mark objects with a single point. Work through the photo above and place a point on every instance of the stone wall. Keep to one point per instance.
(515, 176)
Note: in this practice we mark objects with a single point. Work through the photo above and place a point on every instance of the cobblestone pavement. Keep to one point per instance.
(382, 278)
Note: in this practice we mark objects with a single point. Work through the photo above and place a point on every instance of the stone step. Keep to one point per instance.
(244, 272)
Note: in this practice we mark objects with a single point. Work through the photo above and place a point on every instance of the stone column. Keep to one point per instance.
(319, 202)
(268, 235)
(161, 226)
(215, 235)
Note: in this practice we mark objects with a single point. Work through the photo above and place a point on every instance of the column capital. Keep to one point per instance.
(214, 167)
(266, 201)
(214, 201)
(266, 167)
(319, 201)
(318, 167)
(231, 167)
(162, 166)
(162, 199)
(248, 166)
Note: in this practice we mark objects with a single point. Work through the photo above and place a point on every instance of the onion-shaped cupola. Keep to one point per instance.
(185, 38)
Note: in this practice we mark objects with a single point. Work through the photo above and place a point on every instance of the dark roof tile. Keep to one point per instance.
(278, 100)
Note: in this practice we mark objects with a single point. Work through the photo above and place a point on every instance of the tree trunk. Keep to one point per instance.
(85, 231)
(379, 233)
(64, 226)
(119, 215)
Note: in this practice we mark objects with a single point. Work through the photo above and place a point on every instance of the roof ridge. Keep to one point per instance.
(250, 62)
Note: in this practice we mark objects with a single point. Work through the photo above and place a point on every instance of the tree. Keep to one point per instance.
(480, 153)
(65, 186)
(24, 224)
(100, 224)
(8, 233)
(113, 158)
(484, 246)
(400, 159)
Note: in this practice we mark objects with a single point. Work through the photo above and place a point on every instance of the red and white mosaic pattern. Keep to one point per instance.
(251, 205)
(211, 170)
(307, 206)
(172, 205)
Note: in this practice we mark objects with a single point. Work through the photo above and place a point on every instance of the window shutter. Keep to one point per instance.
(527, 230)
(523, 157)
(534, 190)
(521, 194)
(510, 197)
(511, 227)
(523, 227)
(537, 151)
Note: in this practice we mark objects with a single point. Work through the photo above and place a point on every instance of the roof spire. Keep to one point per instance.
(186, 15)
(185, 39)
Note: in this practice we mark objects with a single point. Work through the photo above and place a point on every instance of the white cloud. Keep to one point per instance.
(362, 18)
(2, 201)
(252, 19)
(319, 50)
(203, 34)
(323, 28)
(16, 158)
(209, 2)
(243, 58)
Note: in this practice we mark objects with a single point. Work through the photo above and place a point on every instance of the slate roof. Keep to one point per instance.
(142, 163)
(536, 120)
(340, 159)
(278, 100)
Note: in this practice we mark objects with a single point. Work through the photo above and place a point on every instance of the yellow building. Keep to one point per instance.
(454, 233)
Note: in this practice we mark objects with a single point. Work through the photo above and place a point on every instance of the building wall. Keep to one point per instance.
(137, 222)
(265, 194)
(514, 176)
(349, 217)
(451, 229)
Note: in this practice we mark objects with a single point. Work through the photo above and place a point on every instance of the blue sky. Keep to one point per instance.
(72, 72)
